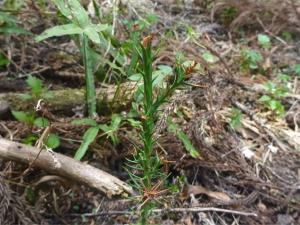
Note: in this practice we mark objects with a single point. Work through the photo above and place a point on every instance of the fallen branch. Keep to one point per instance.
(200, 209)
(64, 166)
(185, 210)
(110, 97)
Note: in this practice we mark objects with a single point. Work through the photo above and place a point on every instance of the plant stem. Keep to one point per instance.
(89, 78)
(148, 123)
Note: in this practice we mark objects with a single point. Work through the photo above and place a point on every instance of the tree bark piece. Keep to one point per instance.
(64, 166)
(110, 97)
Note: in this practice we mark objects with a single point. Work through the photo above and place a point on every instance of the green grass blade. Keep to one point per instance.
(88, 137)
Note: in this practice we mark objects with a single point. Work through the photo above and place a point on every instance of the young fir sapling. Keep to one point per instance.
(144, 168)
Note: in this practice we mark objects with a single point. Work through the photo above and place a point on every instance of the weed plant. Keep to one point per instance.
(30, 117)
(80, 24)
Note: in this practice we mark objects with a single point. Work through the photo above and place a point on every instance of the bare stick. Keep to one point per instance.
(200, 209)
(191, 210)
(64, 166)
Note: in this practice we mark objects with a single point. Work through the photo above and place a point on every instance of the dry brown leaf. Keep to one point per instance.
(267, 64)
(198, 189)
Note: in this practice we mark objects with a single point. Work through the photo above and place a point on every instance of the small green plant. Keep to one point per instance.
(228, 14)
(208, 57)
(80, 24)
(174, 128)
(37, 92)
(250, 59)
(275, 93)
(264, 41)
(236, 117)
(3, 61)
(296, 69)
(91, 133)
(287, 36)
(144, 169)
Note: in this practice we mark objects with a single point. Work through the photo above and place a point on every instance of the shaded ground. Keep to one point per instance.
(252, 169)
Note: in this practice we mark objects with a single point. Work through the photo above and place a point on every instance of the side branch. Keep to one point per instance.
(64, 166)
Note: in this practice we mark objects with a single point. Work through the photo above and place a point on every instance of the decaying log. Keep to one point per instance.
(64, 166)
(110, 97)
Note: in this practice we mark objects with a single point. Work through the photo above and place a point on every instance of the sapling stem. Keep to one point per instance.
(146, 161)
(89, 78)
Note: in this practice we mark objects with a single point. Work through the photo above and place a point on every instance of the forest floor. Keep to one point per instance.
(241, 112)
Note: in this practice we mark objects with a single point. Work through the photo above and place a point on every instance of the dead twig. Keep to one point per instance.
(190, 210)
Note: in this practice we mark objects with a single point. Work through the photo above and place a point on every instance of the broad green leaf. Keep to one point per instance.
(152, 18)
(115, 121)
(174, 128)
(264, 40)
(23, 116)
(236, 117)
(251, 58)
(3, 60)
(92, 34)
(114, 66)
(296, 69)
(25, 96)
(284, 77)
(48, 94)
(30, 139)
(160, 75)
(88, 137)
(136, 77)
(5, 17)
(270, 86)
(35, 84)
(63, 8)
(273, 104)
(52, 141)
(41, 122)
(208, 57)
(265, 98)
(67, 29)
(188, 144)
(13, 29)
(79, 14)
(100, 27)
(253, 66)
(85, 121)
(276, 106)
(188, 63)
(105, 128)
(135, 123)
